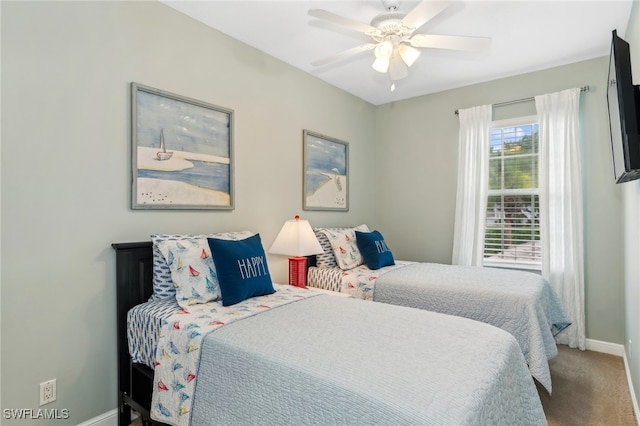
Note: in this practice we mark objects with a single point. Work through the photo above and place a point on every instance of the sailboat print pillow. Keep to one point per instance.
(343, 242)
(193, 271)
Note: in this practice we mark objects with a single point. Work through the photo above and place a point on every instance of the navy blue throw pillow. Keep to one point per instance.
(374, 250)
(242, 268)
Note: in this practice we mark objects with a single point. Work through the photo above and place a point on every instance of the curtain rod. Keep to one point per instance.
(517, 101)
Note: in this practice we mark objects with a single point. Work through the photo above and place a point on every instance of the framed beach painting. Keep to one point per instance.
(325, 173)
(182, 152)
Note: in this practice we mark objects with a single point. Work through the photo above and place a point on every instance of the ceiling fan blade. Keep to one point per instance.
(341, 20)
(343, 55)
(423, 13)
(450, 42)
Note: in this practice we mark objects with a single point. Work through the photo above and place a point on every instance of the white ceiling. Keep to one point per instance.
(527, 35)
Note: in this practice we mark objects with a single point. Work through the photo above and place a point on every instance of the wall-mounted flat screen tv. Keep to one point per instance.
(623, 99)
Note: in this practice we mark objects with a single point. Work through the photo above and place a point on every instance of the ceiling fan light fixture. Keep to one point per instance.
(384, 49)
(397, 68)
(381, 64)
(383, 52)
(394, 39)
(408, 54)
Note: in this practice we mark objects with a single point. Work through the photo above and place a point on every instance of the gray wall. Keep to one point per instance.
(66, 69)
(65, 173)
(631, 197)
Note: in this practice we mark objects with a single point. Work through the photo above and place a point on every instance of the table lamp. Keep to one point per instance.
(297, 240)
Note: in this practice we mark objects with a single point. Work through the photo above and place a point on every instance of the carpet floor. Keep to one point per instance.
(589, 388)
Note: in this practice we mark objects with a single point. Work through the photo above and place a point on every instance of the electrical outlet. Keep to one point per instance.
(47, 391)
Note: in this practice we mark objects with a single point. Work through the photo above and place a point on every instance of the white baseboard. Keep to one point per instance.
(110, 418)
(605, 347)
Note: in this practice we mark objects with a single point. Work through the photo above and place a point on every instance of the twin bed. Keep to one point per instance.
(296, 356)
(521, 303)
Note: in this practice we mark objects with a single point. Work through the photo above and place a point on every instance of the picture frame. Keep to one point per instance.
(325, 173)
(182, 152)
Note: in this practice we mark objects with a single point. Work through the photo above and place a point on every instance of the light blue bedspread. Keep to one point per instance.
(522, 303)
(329, 360)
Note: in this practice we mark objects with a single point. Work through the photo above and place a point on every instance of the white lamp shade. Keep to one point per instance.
(408, 54)
(383, 50)
(381, 65)
(383, 53)
(296, 238)
(397, 68)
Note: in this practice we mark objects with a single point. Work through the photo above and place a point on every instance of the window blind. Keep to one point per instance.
(512, 227)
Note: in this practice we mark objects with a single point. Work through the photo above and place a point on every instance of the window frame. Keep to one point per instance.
(508, 264)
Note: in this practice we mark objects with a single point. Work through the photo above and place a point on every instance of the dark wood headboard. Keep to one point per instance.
(134, 285)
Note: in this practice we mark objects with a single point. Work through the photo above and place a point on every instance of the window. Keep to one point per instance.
(512, 230)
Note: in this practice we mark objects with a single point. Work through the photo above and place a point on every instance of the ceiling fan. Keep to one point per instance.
(394, 39)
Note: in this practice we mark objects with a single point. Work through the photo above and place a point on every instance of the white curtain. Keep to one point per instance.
(473, 177)
(561, 224)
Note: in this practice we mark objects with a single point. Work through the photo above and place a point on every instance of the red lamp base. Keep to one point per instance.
(298, 271)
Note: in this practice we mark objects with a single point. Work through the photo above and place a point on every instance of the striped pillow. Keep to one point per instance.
(328, 258)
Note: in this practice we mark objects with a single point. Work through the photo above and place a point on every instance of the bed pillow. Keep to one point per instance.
(374, 249)
(326, 259)
(242, 269)
(193, 250)
(162, 284)
(343, 243)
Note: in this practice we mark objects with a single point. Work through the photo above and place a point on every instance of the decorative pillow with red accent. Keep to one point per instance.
(193, 271)
(343, 243)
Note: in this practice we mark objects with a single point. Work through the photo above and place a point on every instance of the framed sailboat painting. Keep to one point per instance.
(325, 180)
(182, 152)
